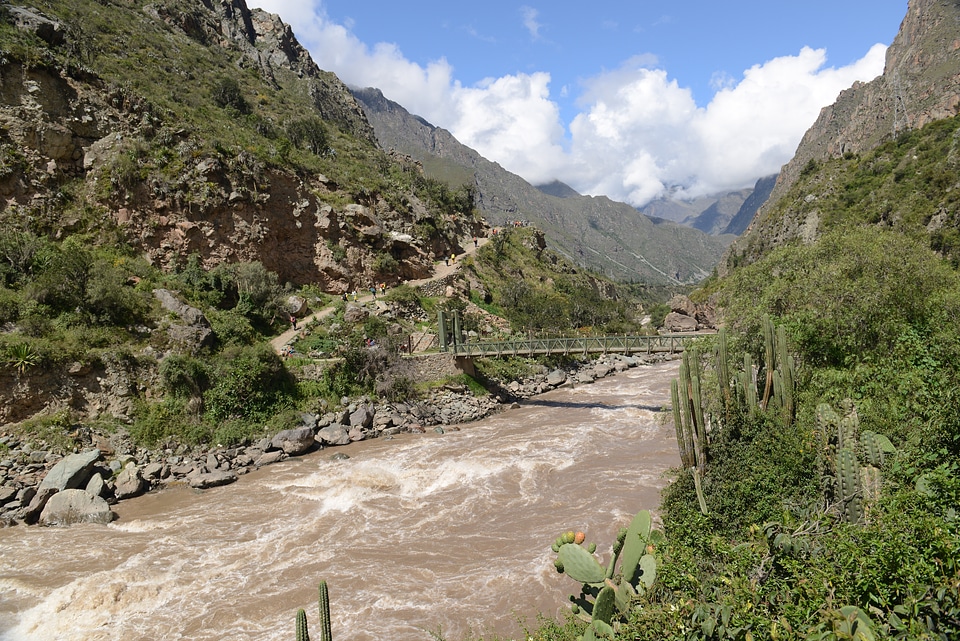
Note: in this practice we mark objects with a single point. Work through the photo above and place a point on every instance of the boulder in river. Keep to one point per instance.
(213, 479)
(75, 506)
(72, 472)
(294, 442)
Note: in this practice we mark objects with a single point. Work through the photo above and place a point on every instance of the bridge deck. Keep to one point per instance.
(664, 343)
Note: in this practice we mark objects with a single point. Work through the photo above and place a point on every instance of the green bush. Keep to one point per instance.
(248, 383)
(227, 93)
(184, 376)
(851, 294)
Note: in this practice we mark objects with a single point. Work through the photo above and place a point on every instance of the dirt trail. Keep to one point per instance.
(441, 269)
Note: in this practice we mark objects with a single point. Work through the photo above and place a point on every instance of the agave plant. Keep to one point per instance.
(22, 357)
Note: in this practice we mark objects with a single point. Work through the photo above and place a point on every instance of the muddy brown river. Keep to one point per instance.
(418, 536)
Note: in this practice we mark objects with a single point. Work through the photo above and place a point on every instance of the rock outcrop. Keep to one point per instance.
(920, 83)
(172, 195)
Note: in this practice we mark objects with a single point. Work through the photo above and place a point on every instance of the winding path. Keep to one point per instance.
(440, 270)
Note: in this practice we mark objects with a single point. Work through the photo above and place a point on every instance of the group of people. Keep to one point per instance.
(379, 288)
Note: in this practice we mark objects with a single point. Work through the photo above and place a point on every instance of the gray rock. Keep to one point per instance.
(355, 313)
(31, 513)
(270, 457)
(96, 486)
(294, 442)
(7, 494)
(51, 32)
(182, 470)
(675, 322)
(153, 471)
(75, 506)
(129, 482)
(333, 434)
(584, 377)
(556, 378)
(356, 433)
(213, 479)
(601, 370)
(72, 472)
(189, 315)
(361, 417)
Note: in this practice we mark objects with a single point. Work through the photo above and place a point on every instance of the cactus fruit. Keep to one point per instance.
(303, 634)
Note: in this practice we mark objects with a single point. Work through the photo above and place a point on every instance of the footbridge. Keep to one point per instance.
(585, 345)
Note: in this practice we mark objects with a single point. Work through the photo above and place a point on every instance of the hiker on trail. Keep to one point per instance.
(373, 291)
(446, 261)
(474, 242)
(293, 321)
(453, 258)
(344, 297)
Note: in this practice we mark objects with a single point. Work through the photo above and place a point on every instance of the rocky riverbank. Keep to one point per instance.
(38, 486)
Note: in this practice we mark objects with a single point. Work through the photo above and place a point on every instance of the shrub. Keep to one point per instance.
(184, 376)
(309, 134)
(248, 383)
(227, 94)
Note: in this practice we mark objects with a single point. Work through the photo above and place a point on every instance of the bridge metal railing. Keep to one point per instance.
(661, 343)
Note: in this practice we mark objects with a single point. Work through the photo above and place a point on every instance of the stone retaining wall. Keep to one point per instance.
(435, 367)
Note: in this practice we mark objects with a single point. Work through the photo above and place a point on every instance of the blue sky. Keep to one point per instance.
(628, 100)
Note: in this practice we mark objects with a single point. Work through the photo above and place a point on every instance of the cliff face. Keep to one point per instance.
(267, 44)
(920, 84)
(109, 121)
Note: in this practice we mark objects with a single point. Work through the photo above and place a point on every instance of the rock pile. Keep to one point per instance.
(687, 316)
(41, 487)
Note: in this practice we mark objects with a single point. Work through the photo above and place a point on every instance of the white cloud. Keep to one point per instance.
(530, 21)
(638, 131)
(512, 120)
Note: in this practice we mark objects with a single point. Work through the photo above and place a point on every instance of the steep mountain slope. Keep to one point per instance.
(761, 192)
(607, 236)
(920, 84)
(205, 128)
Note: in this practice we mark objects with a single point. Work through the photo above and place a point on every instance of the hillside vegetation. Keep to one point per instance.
(196, 149)
(827, 508)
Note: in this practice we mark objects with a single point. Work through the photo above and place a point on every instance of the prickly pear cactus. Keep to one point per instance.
(606, 594)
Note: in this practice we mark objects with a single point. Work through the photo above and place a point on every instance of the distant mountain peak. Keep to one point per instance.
(558, 189)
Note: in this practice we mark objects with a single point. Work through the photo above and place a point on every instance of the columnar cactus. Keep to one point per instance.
(303, 633)
(689, 420)
(324, 602)
(852, 460)
(848, 482)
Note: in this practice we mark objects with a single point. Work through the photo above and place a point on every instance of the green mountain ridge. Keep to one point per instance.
(609, 237)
